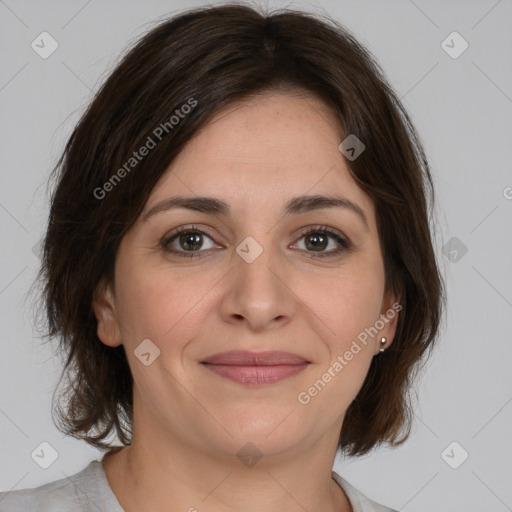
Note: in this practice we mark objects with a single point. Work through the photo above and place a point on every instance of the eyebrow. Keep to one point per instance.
(295, 206)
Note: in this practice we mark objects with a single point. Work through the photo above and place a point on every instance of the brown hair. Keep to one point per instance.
(210, 57)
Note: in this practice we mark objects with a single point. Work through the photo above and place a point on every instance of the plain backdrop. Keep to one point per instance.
(461, 105)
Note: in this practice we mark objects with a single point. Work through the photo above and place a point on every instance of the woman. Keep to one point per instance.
(239, 265)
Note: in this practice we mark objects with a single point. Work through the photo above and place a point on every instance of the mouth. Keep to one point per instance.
(256, 368)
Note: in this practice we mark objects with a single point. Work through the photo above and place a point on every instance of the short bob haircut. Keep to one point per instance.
(167, 87)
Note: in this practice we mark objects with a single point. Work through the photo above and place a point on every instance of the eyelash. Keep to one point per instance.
(324, 230)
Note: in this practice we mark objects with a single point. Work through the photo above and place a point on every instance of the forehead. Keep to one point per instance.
(262, 151)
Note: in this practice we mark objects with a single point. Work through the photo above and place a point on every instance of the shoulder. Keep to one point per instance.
(84, 491)
(359, 502)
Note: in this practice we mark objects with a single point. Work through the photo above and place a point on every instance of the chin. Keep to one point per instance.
(272, 430)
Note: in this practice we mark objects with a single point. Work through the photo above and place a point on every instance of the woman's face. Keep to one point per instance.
(246, 276)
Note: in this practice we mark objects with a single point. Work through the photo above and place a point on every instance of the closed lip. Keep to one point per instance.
(249, 358)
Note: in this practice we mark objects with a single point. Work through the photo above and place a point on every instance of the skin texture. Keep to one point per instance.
(189, 423)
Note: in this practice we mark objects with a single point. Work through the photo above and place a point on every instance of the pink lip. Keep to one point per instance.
(255, 367)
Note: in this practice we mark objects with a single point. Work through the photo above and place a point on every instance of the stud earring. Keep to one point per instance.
(382, 342)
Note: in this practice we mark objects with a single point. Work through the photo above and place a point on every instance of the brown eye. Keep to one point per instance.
(316, 241)
(188, 242)
(319, 239)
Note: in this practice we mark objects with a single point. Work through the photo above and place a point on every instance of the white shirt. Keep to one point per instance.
(89, 491)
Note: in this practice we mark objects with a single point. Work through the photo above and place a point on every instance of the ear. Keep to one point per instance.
(105, 312)
(389, 313)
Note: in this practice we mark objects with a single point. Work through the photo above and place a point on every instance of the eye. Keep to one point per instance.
(186, 241)
(189, 241)
(319, 238)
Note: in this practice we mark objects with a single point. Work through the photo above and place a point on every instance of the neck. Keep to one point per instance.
(158, 471)
(142, 480)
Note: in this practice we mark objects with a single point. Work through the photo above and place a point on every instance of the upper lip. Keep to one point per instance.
(248, 358)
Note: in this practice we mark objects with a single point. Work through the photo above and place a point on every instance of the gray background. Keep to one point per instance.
(462, 108)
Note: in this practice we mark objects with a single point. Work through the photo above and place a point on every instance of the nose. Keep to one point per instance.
(259, 293)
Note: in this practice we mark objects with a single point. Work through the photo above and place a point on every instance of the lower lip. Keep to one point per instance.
(256, 374)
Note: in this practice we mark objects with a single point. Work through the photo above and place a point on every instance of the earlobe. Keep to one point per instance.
(389, 320)
(106, 316)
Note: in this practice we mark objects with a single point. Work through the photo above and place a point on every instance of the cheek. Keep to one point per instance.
(347, 303)
(155, 307)
(159, 306)
(341, 374)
